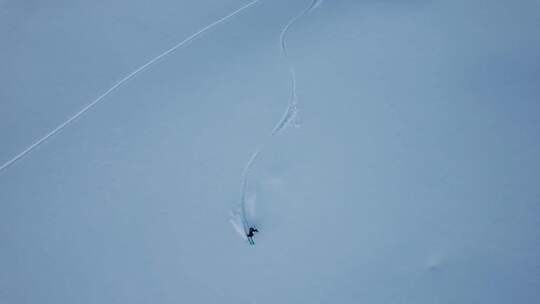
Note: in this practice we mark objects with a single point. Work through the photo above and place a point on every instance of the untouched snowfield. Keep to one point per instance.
(402, 167)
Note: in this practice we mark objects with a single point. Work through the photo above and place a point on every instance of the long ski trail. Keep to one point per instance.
(290, 115)
(143, 67)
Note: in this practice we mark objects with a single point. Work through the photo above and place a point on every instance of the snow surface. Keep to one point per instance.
(413, 177)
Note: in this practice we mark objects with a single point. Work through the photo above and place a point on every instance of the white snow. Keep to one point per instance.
(412, 179)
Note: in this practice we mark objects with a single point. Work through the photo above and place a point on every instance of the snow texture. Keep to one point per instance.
(413, 178)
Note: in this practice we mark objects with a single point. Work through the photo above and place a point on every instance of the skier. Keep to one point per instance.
(250, 234)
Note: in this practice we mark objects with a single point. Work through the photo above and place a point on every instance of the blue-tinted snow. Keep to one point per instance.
(412, 178)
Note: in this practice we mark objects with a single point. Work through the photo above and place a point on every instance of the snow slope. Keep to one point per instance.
(412, 178)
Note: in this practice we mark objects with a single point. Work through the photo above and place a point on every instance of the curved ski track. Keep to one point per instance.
(290, 115)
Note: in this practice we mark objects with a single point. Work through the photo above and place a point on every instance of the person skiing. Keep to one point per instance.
(250, 234)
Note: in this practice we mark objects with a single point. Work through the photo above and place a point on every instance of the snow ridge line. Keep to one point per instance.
(119, 83)
(291, 112)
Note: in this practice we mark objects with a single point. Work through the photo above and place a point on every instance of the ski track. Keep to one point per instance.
(241, 231)
(119, 83)
(290, 115)
(314, 4)
(291, 112)
(238, 216)
(245, 183)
